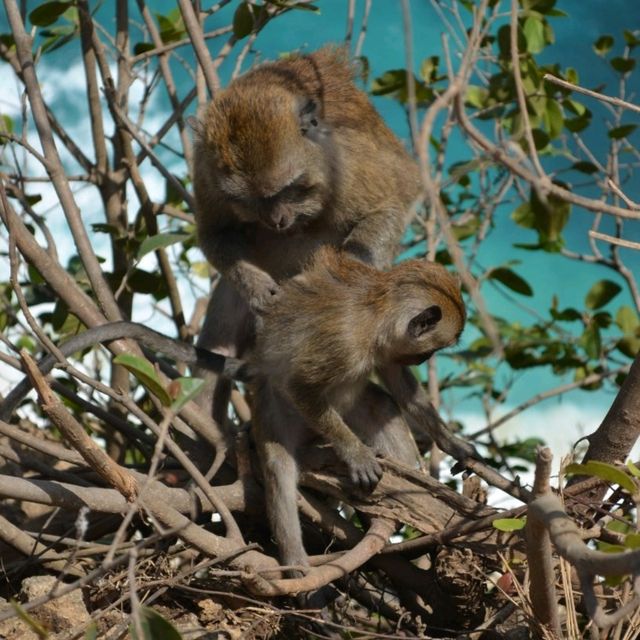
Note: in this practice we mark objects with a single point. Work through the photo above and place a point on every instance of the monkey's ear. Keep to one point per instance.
(308, 116)
(424, 321)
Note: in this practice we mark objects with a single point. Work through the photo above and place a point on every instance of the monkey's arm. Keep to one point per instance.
(413, 400)
(375, 238)
(365, 471)
(230, 251)
(151, 339)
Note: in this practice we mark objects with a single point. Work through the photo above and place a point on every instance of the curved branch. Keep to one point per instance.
(372, 543)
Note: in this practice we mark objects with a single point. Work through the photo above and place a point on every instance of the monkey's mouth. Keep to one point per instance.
(412, 359)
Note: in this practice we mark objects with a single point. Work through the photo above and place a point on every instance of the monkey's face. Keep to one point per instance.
(287, 200)
(267, 148)
(431, 311)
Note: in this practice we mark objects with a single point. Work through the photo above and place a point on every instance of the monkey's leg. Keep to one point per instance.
(413, 400)
(278, 430)
(229, 329)
(378, 421)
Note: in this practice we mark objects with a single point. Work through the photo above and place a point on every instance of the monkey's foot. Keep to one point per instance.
(364, 470)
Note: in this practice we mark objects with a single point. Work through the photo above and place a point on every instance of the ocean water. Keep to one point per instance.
(384, 47)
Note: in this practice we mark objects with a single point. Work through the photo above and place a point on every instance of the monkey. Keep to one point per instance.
(332, 327)
(288, 158)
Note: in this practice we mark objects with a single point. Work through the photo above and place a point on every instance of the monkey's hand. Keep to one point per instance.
(260, 288)
(364, 470)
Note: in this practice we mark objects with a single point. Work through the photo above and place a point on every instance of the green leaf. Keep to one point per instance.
(160, 241)
(429, 69)
(509, 524)
(630, 38)
(154, 626)
(6, 124)
(567, 315)
(603, 45)
(601, 293)
(553, 118)
(533, 30)
(541, 139)
(591, 342)
(622, 131)
(604, 471)
(585, 167)
(141, 281)
(189, 389)
(632, 541)
(511, 280)
(47, 13)
(633, 469)
(58, 36)
(623, 65)
(627, 319)
(629, 346)
(142, 47)
(476, 96)
(547, 218)
(577, 124)
(144, 372)
(243, 20)
(523, 216)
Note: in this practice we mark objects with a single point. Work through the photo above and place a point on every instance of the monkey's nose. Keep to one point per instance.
(278, 220)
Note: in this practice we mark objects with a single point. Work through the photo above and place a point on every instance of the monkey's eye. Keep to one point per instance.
(308, 117)
(424, 321)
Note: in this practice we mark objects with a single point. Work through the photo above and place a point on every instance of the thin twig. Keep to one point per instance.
(618, 102)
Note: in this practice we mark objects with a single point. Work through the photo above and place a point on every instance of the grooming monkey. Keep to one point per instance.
(290, 157)
(331, 327)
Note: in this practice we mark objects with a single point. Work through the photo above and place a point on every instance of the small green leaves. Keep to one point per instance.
(591, 341)
(601, 293)
(585, 167)
(622, 131)
(548, 218)
(144, 371)
(160, 241)
(243, 20)
(174, 395)
(171, 26)
(633, 469)
(603, 45)
(533, 30)
(629, 323)
(509, 524)
(511, 280)
(153, 626)
(393, 83)
(182, 390)
(476, 96)
(47, 13)
(623, 65)
(142, 47)
(604, 471)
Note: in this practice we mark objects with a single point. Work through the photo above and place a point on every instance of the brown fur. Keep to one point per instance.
(353, 186)
(332, 326)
